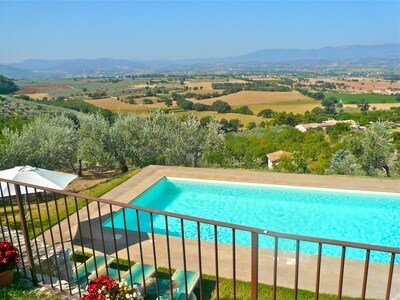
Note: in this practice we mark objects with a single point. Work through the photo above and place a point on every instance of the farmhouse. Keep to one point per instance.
(324, 124)
(274, 157)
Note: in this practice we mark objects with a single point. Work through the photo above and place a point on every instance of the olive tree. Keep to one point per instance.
(46, 142)
(344, 163)
(94, 140)
(190, 141)
(374, 148)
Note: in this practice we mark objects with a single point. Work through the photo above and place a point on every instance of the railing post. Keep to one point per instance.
(254, 266)
(25, 233)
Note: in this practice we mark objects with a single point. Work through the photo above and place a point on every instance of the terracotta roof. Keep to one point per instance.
(274, 156)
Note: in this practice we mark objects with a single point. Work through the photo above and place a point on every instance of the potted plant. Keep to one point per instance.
(8, 260)
(104, 288)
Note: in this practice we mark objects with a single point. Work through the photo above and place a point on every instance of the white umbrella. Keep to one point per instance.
(35, 176)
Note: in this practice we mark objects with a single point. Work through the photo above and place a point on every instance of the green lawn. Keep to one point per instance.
(356, 98)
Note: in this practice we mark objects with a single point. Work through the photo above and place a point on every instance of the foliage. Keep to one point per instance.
(201, 107)
(147, 101)
(231, 126)
(344, 163)
(8, 256)
(244, 110)
(97, 94)
(221, 107)
(168, 102)
(329, 105)
(93, 136)
(373, 148)
(77, 105)
(363, 105)
(311, 150)
(193, 142)
(140, 140)
(184, 104)
(251, 125)
(316, 95)
(10, 107)
(266, 113)
(46, 142)
(7, 86)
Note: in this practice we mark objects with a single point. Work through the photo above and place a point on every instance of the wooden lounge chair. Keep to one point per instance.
(192, 280)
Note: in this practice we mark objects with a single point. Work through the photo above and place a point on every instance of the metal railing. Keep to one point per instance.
(46, 220)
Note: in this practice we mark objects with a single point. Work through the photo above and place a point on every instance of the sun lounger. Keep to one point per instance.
(137, 274)
(136, 271)
(192, 280)
(88, 268)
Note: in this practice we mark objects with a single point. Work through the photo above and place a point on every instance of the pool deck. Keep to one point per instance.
(378, 272)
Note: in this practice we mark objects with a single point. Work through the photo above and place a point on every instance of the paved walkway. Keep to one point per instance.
(125, 192)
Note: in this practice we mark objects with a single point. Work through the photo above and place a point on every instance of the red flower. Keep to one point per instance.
(8, 256)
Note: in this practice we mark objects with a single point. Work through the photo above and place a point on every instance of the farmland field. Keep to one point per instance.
(43, 89)
(115, 105)
(278, 101)
(355, 98)
(37, 96)
(294, 106)
(256, 97)
(377, 105)
(362, 85)
(245, 119)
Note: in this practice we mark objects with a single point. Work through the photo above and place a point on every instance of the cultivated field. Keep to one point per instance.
(277, 101)
(255, 97)
(245, 119)
(207, 86)
(293, 106)
(43, 89)
(370, 98)
(115, 105)
(383, 106)
(362, 85)
(38, 96)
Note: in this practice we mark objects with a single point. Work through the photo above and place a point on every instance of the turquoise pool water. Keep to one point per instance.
(372, 218)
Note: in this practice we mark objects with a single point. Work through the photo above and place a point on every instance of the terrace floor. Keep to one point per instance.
(378, 272)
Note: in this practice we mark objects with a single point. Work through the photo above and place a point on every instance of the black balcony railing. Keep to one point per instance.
(47, 226)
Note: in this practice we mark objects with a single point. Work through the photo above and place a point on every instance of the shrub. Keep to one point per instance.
(148, 101)
(201, 107)
(221, 107)
(266, 113)
(244, 110)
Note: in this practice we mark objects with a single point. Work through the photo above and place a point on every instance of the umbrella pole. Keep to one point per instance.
(25, 207)
(25, 233)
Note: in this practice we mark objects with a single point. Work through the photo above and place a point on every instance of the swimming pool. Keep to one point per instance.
(356, 216)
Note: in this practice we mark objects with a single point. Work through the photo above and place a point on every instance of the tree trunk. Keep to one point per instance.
(386, 167)
(80, 168)
(196, 159)
(123, 167)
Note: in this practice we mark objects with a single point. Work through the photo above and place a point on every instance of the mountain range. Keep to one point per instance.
(42, 68)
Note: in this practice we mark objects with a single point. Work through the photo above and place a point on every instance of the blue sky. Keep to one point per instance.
(187, 29)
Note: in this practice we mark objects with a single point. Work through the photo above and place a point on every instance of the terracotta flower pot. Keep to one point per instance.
(6, 277)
